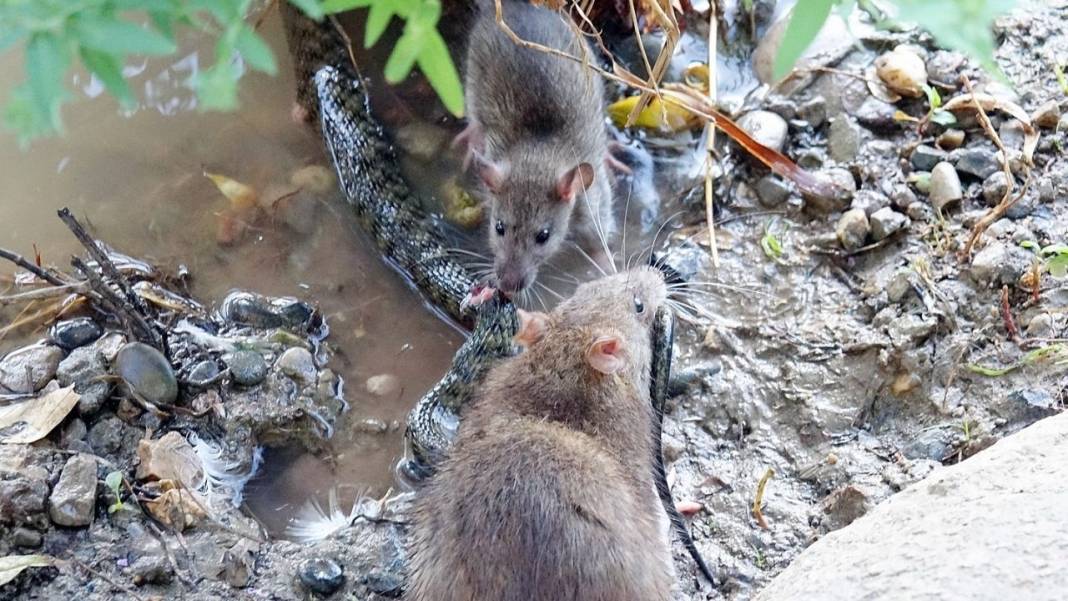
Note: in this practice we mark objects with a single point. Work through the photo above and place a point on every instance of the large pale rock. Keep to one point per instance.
(992, 528)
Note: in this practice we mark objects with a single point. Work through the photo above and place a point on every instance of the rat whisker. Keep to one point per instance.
(595, 264)
(558, 296)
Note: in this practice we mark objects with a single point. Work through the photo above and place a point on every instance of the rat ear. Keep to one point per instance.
(492, 174)
(532, 326)
(605, 354)
(574, 181)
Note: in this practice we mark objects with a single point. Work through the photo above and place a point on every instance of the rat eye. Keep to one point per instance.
(543, 236)
(499, 227)
(639, 307)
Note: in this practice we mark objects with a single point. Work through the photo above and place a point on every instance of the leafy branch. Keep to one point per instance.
(102, 35)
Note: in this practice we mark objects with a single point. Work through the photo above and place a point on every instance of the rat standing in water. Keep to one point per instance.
(548, 493)
(537, 132)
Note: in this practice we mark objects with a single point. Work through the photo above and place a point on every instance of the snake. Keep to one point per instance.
(332, 93)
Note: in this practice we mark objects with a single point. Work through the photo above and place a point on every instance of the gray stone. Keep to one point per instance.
(22, 498)
(951, 139)
(885, 222)
(203, 373)
(1033, 399)
(995, 187)
(843, 139)
(910, 329)
(321, 575)
(147, 372)
(85, 368)
(1023, 207)
(845, 187)
(933, 444)
(74, 431)
(1011, 133)
(772, 191)
(876, 114)
(766, 127)
(869, 201)
(1047, 115)
(74, 498)
(815, 111)
(853, 229)
(843, 506)
(1004, 506)
(919, 211)
(73, 333)
(945, 187)
(999, 264)
(247, 367)
(149, 561)
(105, 436)
(925, 157)
(899, 286)
(109, 345)
(944, 66)
(297, 363)
(1000, 228)
(1040, 326)
(28, 369)
(24, 537)
(978, 161)
(902, 197)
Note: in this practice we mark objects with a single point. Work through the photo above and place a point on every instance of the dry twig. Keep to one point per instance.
(758, 512)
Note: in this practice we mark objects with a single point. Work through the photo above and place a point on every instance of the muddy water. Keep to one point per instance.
(136, 178)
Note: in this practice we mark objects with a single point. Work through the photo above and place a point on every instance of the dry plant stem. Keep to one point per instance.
(43, 293)
(1006, 316)
(22, 319)
(711, 134)
(19, 260)
(758, 513)
(1006, 201)
(92, 572)
(655, 72)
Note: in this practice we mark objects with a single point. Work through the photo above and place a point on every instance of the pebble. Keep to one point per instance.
(945, 186)
(925, 157)
(944, 66)
(109, 345)
(815, 111)
(1040, 326)
(995, 187)
(903, 71)
(203, 373)
(845, 185)
(1034, 401)
(902, 197)
(869, 200)
(321, 575)
(28, 369)
(766, 127)
(876, 114)
(23, 498)
(843, 139)
(1023, 207)
(980, 162)
(772, 191)
(1047, 115)
(1000, 228)
(853, 229)
(899, 286)
(951, 139)
(24, 537)
(265, 312)
(73, 333)
(105, 436)
(84, 368)
(150, 564)
(246, 367)
(931, 444)
(297, 363)
(74, 497)
(910, 329)
(1011, 133)
(383, 384)
(885, 222)
(1000, 263)
(843, 506)
(147, 372)
(386, 583)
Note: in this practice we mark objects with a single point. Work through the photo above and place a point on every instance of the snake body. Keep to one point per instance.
(331, 90)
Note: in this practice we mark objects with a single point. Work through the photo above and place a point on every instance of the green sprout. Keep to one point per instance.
(114, 483)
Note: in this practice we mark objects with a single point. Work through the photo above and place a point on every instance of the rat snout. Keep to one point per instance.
(512, 281)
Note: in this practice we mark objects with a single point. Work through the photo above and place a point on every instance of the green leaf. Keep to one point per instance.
(1056, 260)
(943, 117)
(934, 99)
(109, 70)
(47, 59)
(806, 19)
(255, 51)
(1029, 245)
(378, 18)
(119, 37)
(164, 22)
(992, 372)
(411, 42)
(12, 565)
(963, 25)
(338, 6)
(216, 87)
(436, 64)
(312, 8)
(113, 481)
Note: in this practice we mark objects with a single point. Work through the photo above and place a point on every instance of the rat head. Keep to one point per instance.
(606, 322)
(529, 217)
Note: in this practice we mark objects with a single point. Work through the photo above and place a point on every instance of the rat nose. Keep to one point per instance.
(512, 282)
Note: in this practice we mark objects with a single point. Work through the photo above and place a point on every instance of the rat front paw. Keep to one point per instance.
(479, 294)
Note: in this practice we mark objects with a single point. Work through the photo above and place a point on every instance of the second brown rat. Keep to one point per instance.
(536, 124)
(548, 493)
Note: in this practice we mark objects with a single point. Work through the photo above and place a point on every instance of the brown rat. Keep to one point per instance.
(536, 124)
(548, 493)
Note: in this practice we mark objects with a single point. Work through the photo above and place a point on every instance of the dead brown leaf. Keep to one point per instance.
(175, 507)
(31, 420)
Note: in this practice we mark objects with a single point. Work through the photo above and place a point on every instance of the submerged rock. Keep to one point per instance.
(28, 369)
(297, 363)
(74, 498)
(247, 367)
(147, 372)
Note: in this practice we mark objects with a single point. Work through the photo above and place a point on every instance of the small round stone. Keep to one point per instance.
(247, 367)
(73, 333)
(298, 364)
(319, 575)
(203, 373)
(147, 372)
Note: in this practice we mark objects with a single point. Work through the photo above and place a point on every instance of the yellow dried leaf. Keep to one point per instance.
(31, 420)
(666, 117)
(241, 196)
(170, 457)
(175, 506)
(12, 565)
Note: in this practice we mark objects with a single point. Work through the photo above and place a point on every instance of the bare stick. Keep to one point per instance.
(709, 202)
(758, 511)
(43, 293)
(19, 260)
